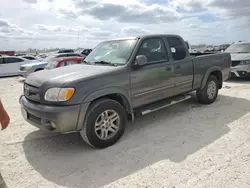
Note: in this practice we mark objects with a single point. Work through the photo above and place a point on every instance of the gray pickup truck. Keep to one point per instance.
(121, 79)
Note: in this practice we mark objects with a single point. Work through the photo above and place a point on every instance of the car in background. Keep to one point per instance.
(84, 52)
(20, 54)
(29, 68)
(65, 51)
(30, 57)
(42, 56)
(240, 54)
(62, 62)
(9, 65)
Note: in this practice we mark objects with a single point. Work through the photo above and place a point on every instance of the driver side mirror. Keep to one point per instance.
(141, 60)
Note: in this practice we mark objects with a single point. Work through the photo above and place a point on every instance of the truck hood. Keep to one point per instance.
(60, 76)
(240, 56)
(35, 63)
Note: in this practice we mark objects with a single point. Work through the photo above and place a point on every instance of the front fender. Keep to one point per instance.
(98, 94)
(207, 74)
(106, 91)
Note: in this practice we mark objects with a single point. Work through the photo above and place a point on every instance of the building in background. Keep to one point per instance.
(10, 53)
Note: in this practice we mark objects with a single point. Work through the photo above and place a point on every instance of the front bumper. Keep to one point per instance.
(241, 70)
(61, 119)
(24, 74)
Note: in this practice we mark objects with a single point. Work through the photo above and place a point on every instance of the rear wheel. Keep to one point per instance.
(104, 123)
(210, 92)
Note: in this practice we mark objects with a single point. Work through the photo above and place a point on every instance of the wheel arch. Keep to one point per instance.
(216, 71)
(118, 95)
(38, 69)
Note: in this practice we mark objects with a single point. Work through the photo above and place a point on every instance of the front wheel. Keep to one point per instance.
(209, 94)
(104, 123)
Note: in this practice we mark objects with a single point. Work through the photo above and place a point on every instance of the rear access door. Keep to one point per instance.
(183, 65)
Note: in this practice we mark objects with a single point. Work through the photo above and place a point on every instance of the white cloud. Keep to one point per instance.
(60, 28)
(57, 23)
(134, 30)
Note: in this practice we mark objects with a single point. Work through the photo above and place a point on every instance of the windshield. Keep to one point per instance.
(239, 48)
(52, 64)
(115, 52)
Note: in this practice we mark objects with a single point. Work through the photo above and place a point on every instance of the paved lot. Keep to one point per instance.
(186, 145)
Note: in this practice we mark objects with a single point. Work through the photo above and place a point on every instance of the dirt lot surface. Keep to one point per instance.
(186, 145)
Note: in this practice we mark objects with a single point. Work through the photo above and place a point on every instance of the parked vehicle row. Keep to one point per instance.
(23, 65)
(62, 62)
(118, 80)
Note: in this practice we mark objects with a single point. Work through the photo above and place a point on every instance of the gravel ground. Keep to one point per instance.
(186, 145)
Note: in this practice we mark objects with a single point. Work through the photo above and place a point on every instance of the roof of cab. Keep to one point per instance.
(145, 36)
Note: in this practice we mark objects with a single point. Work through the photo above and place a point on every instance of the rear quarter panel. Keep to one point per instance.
(204, 65)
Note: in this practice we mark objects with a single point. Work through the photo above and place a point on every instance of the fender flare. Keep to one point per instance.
(207, 74)
(108, 91)
(98, 94)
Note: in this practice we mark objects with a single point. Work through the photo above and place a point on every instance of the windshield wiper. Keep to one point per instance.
(105, 63)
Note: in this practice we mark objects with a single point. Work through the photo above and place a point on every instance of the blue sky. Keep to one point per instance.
(56, 23)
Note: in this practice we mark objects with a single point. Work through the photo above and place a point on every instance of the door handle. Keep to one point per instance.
(178, 66)
(168, 68)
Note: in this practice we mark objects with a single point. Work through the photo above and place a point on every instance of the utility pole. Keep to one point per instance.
(77, 39)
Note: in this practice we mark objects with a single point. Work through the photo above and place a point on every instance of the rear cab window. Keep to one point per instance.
(177, 47)
(154, 49)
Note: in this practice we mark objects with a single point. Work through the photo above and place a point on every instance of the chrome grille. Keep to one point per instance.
(31, 92)
(235, 63)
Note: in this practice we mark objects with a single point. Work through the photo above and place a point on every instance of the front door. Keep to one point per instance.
(183, 65)
(155, 80)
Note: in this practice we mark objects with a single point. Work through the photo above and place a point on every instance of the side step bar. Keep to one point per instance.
(161, 104)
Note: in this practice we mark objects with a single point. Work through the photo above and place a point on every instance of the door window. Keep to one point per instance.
(66, 63)
(12, 60)
(154, 50)
(178, 48)
(29, 58)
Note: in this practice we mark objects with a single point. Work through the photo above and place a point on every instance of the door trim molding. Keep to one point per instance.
(154, 90)
(185, 82)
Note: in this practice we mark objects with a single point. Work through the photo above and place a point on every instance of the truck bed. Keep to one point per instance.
(204, 62)
(201, 54)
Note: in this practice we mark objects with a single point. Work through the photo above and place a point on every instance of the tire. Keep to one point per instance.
(91, 135)
(202, 95)
(38, 70)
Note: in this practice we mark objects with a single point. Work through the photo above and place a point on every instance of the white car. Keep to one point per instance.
(9, 65)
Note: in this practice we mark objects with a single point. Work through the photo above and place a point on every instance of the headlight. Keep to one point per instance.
(59, 94)
(245, 62)
(27, 68)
